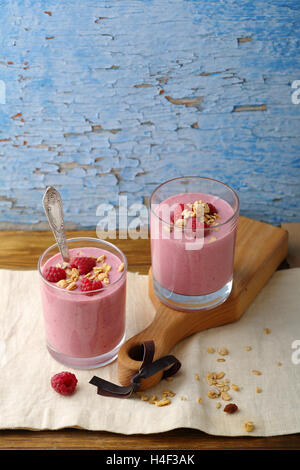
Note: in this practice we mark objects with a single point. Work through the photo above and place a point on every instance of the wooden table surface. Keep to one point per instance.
(21, 250)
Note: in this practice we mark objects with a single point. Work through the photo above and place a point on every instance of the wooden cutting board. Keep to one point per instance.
(260, 248)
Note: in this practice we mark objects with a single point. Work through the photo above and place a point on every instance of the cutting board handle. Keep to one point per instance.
(167, 329)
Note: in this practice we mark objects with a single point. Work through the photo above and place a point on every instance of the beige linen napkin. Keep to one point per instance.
(28, 401)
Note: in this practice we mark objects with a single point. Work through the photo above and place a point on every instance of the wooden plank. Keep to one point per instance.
(293, 258)
(181, 439)
(22, 249)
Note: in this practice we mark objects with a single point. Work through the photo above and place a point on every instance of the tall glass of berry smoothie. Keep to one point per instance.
(193, 223)
(84, 302)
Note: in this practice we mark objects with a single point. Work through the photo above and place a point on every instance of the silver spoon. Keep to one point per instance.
(54, 211)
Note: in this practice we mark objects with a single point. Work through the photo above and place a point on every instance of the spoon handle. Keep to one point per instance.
(54, 211)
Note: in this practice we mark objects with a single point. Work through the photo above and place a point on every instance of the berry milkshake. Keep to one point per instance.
(84, 302)
(192, 246)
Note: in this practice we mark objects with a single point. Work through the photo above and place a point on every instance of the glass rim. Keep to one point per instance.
(102, 289)
(199, 178)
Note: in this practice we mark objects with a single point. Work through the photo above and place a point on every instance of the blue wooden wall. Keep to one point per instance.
(109, 98)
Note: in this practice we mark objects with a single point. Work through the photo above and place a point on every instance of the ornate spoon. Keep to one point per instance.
(54, 211)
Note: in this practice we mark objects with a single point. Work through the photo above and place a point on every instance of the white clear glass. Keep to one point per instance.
(84, 330)
(192, 269)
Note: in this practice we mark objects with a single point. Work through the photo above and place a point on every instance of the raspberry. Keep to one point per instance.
(195, 224)
(176, 213)
(212, 208)
(64, 383)
(54, 274)
(83, 264)
(88, 285)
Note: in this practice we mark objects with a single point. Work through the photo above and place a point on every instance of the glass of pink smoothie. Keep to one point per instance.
(84, 302)
(193, 223)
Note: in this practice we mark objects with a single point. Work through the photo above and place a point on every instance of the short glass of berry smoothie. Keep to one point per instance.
(84, 302)
(193, 222)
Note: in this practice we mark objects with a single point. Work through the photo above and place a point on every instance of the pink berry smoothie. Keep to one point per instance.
(192, 262)
(82, 325)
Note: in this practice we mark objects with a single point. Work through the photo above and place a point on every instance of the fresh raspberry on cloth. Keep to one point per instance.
(64, 383)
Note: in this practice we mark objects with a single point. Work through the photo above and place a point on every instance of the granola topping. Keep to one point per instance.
(75, 276)
(71, 286)
(62, 283)
(204, 212)
(121, 267)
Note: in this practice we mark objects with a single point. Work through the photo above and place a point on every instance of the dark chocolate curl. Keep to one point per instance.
(169, 364)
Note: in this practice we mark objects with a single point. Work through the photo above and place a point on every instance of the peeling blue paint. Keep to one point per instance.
(86, 108)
